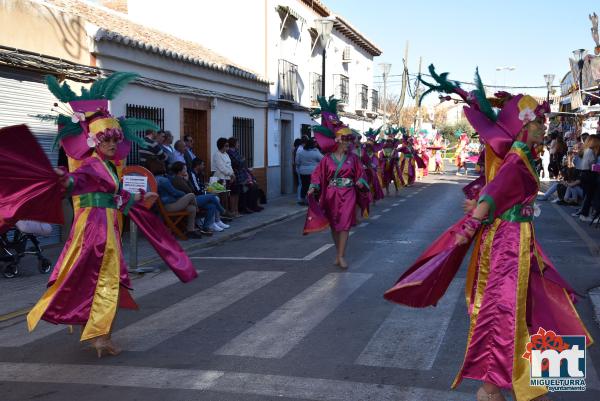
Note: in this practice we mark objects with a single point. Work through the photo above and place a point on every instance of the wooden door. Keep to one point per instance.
(195, 123)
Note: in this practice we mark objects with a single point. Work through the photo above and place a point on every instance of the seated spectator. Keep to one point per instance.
(173, 199)
(153, 150)
(198, 183)
(189, 151)
(177, 155)
(167, 144)
(248, 190)
(223, 171)
(306, 162)
(208, 202)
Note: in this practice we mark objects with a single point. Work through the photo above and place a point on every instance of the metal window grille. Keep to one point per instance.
(305, 130)
(243, 131)
(347, 55)
(154, 114)
(315, 86)
(342, 87)
(374, 100)
(363, 96)
(288, 81)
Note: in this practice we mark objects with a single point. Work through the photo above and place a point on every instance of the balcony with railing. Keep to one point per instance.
(315, 87)
(374, 101)
(341, 84)
(288, 82)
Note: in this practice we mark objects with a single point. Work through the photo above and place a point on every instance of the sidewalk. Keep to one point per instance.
(20, 293)
(589, 235)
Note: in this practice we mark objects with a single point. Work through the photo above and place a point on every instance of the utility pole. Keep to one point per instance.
(418, 97)
(400, 103)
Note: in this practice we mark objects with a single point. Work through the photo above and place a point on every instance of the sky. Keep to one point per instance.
(535, 36)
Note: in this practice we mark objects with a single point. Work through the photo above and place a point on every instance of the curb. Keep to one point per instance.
(227, 237)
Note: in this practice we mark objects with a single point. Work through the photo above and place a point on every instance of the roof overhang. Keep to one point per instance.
(344, 27)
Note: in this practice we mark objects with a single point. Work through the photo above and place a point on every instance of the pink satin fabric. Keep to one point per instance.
(29, 187)
(338, 204)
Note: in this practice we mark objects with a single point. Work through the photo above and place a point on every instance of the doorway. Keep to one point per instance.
(195, 123)
(287, 174)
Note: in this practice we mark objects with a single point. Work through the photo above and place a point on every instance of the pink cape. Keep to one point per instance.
(29, 187)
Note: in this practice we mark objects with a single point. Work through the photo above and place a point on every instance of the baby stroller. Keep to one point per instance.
(13, 246)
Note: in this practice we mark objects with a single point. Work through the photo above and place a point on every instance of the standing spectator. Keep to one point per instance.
(588, 182)
(153, 150)
(167, 144)
(223, 171)
(545, 153)
(189, 151)
(248, 189)
(178, 154)
(306, 162)
(173, 199)
(298, 147)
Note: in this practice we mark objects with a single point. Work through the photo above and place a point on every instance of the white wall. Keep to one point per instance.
(121, 58)
(232, 28)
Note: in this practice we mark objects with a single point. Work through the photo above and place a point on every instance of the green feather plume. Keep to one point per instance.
(67, 128)
(131, 126)
(443, 84)
(484, 104)
(56, 89)
(115, 83)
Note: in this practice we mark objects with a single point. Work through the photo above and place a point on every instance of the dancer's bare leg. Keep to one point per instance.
(336, 240)
(341, 249)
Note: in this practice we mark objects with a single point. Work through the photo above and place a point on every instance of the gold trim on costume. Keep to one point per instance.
(106, 296)
(521, 366)
(71, 256)
(101, 124)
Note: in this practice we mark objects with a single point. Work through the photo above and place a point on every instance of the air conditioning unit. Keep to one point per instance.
(347, 55)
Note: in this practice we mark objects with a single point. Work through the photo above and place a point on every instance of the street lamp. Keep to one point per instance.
(385, 69)
(549, 78)
(579, 56)
(324, 26)
(506, 68)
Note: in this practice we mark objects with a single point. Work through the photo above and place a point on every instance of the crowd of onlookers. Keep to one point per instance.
(572, 160)
(183, 185)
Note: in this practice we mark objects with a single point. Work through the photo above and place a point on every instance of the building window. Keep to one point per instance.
(305, 130)
(362, 102)
(154, 114)
(341, 85)
(288, 81)
(315, 87)
(243, 131)
(374, 100)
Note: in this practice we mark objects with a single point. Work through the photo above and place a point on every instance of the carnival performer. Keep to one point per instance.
(90, 280)
(511, 284)
(406, 163)
(371, 160)
(388, 160)
(462, 153)
(339, 181)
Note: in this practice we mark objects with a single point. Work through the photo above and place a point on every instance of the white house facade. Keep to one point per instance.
(278, 40)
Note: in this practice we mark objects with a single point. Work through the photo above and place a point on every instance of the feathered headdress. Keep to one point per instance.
(498, 129)
(90, 121)
(372, 134)
(331, 127)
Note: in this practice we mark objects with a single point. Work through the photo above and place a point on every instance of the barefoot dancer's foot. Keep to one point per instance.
(483, 395)
(342, 263)
(105, 345)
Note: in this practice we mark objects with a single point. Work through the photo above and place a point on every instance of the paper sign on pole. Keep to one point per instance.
(133, 183)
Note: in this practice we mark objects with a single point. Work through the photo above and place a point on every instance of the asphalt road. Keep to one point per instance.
(271, 318)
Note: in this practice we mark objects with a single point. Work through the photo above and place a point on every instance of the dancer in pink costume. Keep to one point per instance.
(339, 181)
(512, 289)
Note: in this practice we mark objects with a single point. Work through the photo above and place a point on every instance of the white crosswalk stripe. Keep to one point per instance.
(393, 343)
(275, 335)
(305, 388)
(156, 328)
(17, 335)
